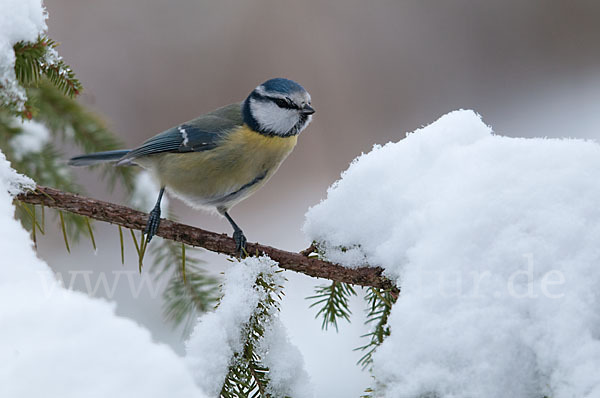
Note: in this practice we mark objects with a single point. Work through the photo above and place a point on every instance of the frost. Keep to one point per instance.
(495, 243)
(56, 342)
(32, 139)
(52, 59)
(218, 335)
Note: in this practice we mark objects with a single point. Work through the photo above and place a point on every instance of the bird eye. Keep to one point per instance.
(282, 103)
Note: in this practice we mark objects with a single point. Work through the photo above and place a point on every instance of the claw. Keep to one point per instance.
(153, 223)
(240, 242)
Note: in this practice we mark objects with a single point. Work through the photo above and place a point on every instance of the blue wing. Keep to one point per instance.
(183, 138)
(201, 134)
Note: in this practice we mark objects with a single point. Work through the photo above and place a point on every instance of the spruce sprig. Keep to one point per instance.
(380, 303)
(333, 301)
(248, 377)
(39, 59)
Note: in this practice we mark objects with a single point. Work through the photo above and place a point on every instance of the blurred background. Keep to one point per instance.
(375, 70)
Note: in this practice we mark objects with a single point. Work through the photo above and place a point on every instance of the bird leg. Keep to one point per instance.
(238, 236)
(154, 218)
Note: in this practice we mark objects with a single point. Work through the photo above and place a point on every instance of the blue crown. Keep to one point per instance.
(281, 85)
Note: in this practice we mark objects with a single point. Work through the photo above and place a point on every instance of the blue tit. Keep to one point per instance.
(220, 158)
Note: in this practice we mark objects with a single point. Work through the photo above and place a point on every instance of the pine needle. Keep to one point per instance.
(43, 220)
(64, 230)
(141, 248)
(122, 246)
(183, 261)
(143, 245)
(87, 222)
(135, 242)
(33, 223)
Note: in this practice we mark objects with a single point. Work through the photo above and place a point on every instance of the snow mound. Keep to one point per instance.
(56, 342)
(495, 243)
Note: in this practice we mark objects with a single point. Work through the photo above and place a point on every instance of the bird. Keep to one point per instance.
(220, 158)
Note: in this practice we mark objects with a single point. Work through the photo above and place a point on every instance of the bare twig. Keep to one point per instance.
(220, 243)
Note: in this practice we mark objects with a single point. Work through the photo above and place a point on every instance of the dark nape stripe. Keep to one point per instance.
(249, 118)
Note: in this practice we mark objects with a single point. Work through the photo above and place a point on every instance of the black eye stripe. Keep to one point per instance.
(281, 103)
(284, 103)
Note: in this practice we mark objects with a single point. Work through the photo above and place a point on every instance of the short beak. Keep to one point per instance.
(307, 110)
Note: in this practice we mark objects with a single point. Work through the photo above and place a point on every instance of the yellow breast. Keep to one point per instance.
(237, 167)
(267, 146)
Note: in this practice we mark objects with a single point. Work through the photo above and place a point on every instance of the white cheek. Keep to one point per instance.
(271, 117)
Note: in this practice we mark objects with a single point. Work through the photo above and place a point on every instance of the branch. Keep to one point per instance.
(220, 243)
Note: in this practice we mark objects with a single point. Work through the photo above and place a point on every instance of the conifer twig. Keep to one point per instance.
(220, 243)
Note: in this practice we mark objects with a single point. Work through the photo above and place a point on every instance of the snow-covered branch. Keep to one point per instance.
(220, 243)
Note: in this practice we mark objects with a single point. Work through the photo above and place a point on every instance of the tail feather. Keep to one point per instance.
(98, 157)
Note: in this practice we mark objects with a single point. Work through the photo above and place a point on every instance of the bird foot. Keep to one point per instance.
(153, 223)
(240, 243)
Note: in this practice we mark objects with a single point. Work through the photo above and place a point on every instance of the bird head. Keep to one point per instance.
(279, 107)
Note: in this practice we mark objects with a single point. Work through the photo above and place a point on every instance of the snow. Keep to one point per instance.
(287, 377)
(12, 182)
(32, 139)
(59, 343)
(219, 334)
(495, 243)
(20, 20)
